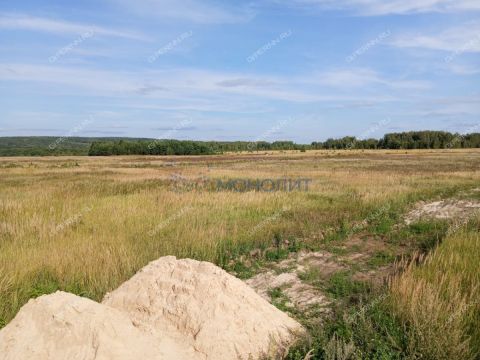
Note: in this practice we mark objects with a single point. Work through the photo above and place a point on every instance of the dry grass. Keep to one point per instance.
(439, 301)
(84, 224)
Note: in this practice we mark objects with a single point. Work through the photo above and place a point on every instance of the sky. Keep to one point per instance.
(301, 70)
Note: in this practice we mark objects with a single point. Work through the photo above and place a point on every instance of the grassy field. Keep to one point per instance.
(85, 225)
(440, 299)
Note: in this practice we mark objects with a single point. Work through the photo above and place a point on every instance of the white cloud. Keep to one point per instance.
(186, 85)
(459, 39)
(459, 69)
(196, 11)
(101, 81)
(452, 107)
(410, 84)
(27, 22)
(385, 7)
(348, 78)
(366, 78)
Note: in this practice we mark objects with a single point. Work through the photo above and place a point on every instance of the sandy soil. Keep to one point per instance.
(171, 309)
(65, 326)
(205, 308)
(287, 277)
(444, 209)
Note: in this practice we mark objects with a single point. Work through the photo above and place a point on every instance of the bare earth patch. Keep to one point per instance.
(301, 294)
(444, 209)
(364, 257)
(302, 276)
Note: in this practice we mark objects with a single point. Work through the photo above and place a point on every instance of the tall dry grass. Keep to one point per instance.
(439, 300)
(83, 224)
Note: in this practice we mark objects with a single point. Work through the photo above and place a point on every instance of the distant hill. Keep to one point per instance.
(51, 145)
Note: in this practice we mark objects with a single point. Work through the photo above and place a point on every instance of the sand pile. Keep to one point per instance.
(202, 306)
(171, 309)
(65, 326)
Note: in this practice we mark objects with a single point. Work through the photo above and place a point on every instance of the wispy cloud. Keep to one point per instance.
(184, 128)
(103, 132)
(386, 7)
(242, 82)
(181, 83)
(348, 77)
(199, 89)
(14, 129)
(461, 69)
(61, 27)
(452, 107)
(195, 11)
(465, 38)
(360, 77)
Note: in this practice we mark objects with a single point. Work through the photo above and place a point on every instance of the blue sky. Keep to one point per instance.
(301, 70)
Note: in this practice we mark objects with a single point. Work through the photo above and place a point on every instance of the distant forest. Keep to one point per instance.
(406, 140)
(48, 145)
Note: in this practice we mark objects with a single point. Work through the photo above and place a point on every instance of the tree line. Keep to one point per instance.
(405, 140)
(44, 146)
(184, 147)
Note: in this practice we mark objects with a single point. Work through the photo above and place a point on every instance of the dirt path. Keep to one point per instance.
(312, 282)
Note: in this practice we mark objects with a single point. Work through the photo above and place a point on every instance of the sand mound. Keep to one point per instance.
(171, 309)
(65, 326)
(204, 308)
